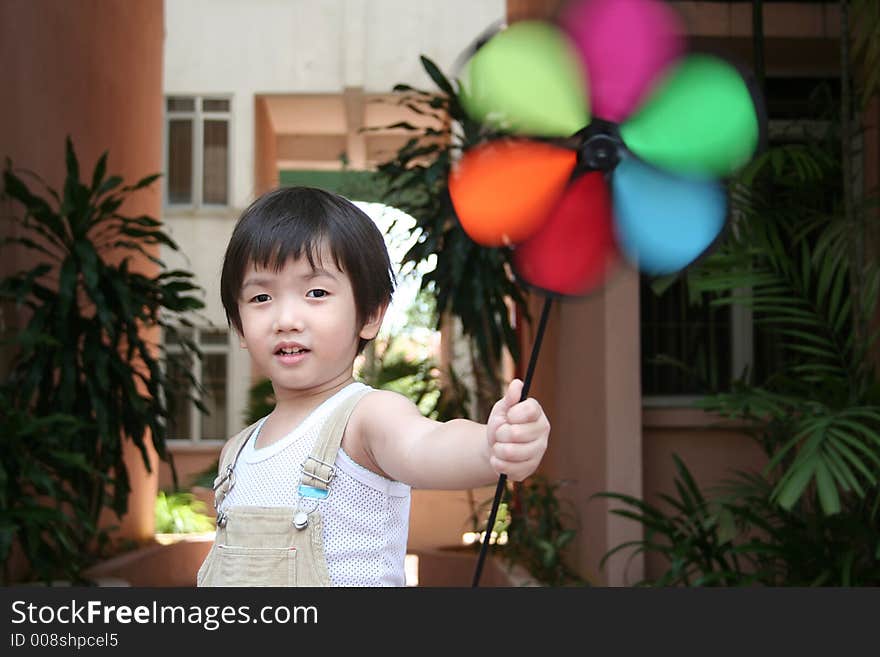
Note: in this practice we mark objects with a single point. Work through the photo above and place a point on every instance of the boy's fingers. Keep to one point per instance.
(514, 392)
(518, 433)
(493, 425)
(523, 412)
(514, 452)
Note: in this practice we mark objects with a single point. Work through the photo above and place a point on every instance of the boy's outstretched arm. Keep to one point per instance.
(457, 454)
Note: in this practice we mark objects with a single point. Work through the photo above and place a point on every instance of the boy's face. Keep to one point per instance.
(300, 324)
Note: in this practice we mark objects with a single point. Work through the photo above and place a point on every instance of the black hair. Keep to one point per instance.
(290, 222)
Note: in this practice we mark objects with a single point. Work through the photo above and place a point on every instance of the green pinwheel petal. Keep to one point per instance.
(527, 80)
(701, 120)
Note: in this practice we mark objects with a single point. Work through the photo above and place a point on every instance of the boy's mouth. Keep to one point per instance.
(290, 350)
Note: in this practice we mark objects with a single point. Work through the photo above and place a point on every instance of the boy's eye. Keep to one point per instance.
(317, 294)
(260, 298)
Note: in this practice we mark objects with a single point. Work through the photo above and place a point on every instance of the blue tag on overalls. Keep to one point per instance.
(313, 493)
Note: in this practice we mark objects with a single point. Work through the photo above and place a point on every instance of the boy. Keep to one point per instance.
(317, 492)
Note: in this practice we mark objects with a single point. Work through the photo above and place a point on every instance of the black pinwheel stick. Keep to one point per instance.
(502, 479)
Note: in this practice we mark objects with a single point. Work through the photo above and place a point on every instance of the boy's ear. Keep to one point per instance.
(373, 324)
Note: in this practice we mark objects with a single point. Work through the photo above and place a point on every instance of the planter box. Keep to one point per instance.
(173, 560)
(455, 566)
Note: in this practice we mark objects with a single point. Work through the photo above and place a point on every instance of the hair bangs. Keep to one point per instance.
(289, 240)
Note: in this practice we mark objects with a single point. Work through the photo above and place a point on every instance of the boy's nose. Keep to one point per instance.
(288, 319)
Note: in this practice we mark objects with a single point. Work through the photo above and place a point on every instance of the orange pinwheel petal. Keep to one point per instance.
(503, 190)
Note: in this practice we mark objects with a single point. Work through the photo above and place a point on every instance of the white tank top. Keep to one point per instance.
(365, 517)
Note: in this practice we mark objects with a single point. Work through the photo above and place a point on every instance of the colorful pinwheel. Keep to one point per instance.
(620, 142)
(640, 178)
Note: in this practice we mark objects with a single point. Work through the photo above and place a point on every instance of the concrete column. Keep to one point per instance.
(355, 144)
(588, 380)
(93, 70)
(265, 149)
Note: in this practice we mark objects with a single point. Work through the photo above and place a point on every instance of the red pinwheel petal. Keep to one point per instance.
(574, 250)
(503, 190)
(626, 46)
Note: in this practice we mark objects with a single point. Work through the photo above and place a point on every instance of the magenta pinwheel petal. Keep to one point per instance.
(626, 45)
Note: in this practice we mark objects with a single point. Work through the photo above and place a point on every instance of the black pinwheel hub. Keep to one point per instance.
(599, 146)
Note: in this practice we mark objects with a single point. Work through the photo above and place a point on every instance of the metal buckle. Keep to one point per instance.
(228, 476)
(220, 495)
(312, 475)
(221, 519)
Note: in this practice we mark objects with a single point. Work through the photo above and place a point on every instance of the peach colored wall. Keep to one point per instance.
(711, 455)
(189, 463)
(91, 70)
(521, 10)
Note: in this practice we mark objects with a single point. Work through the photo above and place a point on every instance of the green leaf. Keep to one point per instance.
(841, 441)
(793, 484)
(841, 472)
(143, 182)
(828, 495)
(437, 76)
(111, 183)
(89, 262)
(100, 170)
(67, 286)
(70, 158)
(28, 244)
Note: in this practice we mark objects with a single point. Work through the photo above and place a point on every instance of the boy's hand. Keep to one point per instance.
(517, 433)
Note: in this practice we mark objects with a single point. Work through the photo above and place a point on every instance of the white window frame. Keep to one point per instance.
(195, 415)
(198, 117)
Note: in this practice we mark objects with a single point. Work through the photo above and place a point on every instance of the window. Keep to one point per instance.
(197, 151)
(715, 345)
(686, 345)
(186, 422)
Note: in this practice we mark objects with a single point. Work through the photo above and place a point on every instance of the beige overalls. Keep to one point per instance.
(276, 546)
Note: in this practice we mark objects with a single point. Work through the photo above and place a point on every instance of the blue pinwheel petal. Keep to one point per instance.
(664, 222)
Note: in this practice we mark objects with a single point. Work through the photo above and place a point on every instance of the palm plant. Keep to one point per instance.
(82, 352)
(470, 282)
(792, 258)
(811, 516)
(34, 452)
(540, 525)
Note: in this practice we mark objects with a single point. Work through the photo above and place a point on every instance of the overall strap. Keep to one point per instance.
(318, 469)
(225, 479)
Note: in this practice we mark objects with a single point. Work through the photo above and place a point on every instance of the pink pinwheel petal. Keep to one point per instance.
(626, 45)
(574, 250)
